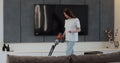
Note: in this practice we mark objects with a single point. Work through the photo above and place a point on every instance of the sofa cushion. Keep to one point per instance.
(102, 58)
(37, 59)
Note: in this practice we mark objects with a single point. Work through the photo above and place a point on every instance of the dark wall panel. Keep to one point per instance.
(49, 38)
(27, 21)
(72, 2)
(107, 17)
(93, 20)
(52, 1)
(11, 21)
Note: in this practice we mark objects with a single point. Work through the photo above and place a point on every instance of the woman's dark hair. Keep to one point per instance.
(69, 13)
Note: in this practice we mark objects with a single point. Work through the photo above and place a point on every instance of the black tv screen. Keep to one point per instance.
(49, 19)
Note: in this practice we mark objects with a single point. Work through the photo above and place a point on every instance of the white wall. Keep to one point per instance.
(38, 47)
(117, 17)
(1, 22)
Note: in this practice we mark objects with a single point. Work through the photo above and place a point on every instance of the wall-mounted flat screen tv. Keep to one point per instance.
(50, 20)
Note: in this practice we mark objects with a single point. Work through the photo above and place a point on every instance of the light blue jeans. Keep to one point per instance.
(70, 45)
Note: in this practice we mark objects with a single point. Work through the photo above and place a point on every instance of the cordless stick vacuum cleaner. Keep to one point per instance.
(57, 41)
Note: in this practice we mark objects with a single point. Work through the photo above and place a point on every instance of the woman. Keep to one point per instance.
(72, 27)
